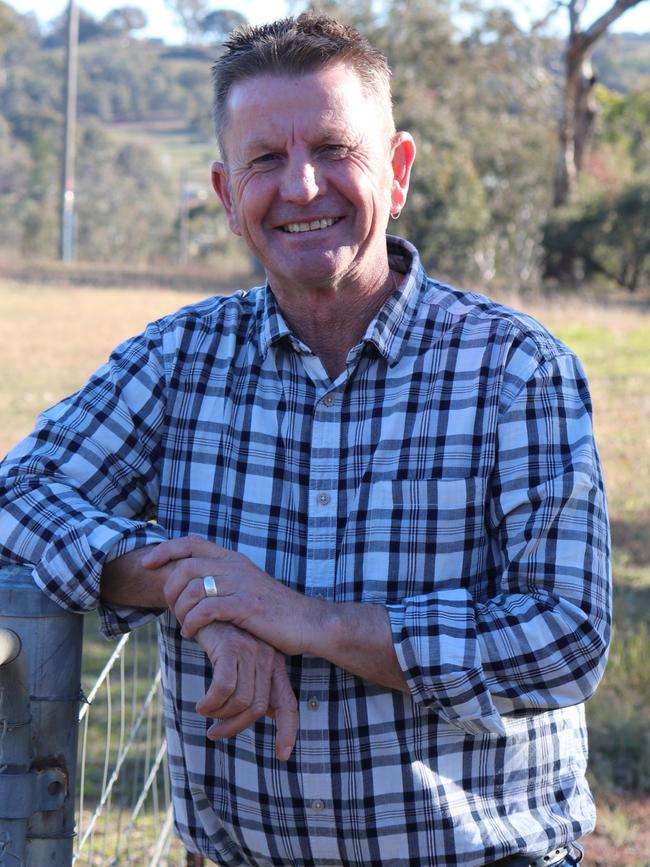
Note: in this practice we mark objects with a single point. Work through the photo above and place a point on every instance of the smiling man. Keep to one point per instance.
(366, 508)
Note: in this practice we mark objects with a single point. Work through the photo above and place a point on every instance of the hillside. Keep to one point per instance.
(482, 108)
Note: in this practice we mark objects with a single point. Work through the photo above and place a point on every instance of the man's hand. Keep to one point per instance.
(247, 596)
(249, 681)
(249, 678)
(355, 636)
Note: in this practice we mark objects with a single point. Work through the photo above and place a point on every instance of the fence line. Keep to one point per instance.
(125, 817)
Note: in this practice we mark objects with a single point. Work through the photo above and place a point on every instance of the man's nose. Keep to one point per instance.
(301, 182)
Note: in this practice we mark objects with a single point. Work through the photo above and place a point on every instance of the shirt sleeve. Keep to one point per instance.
(82, 488)
(539, 640)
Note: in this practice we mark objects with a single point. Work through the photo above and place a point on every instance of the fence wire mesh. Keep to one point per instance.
(123, 796)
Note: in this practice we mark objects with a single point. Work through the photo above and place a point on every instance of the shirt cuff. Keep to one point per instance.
(70, 569)
(434, 637)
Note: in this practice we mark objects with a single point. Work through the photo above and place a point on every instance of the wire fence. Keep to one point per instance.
(124, 814)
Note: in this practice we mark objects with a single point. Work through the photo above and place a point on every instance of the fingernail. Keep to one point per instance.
(283, 753)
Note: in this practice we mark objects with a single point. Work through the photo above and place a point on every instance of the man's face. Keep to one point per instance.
(311, 176)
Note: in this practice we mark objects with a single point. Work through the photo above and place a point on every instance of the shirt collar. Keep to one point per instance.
(387, 331)
(272, 326)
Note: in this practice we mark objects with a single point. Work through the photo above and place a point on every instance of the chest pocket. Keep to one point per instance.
(409, 537)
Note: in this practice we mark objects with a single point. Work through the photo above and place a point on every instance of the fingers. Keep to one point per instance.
(231, 690)
(244, 707)
(195, 615)
(180, 549)
(284, 708)
(188, 573)
(249, 681)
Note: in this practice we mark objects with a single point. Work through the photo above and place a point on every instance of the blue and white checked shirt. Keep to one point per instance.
(449, 473)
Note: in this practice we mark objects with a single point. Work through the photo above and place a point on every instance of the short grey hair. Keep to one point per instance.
(296, 46)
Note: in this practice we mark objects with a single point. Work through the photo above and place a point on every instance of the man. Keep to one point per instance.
(378, 510)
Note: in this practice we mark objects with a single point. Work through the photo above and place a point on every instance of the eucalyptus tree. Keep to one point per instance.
(579, 100)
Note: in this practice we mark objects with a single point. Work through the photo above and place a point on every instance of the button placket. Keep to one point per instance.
(324, 468)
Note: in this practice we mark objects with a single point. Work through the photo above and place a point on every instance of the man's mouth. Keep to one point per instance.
(311, 226)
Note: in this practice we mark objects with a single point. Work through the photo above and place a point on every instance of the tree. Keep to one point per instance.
(190, 13)
(218, 24)
(89, 28)
(579, 101)
(123, 210)
(125, 19)
(609, 235)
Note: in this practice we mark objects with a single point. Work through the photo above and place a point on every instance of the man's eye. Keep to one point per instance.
(336, 150)
(265, 158)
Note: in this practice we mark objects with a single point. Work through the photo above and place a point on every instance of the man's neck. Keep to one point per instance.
(331, 322)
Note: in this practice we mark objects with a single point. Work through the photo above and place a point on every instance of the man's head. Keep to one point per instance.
(293, 47)
(311, 163)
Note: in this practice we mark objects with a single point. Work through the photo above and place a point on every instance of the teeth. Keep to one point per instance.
(309, 227)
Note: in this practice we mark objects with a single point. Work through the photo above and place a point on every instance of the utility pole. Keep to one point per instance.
(67, 219)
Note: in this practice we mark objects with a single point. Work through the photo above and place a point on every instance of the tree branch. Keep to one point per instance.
(600, 25)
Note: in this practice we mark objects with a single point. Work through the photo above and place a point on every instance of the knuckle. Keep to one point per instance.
(237, 705)
(225, 686)
(258, 707)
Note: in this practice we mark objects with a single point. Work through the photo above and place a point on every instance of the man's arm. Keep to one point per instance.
(355, 636)
(249, 677)
(81, 489)
(538, 641)
(125, 583)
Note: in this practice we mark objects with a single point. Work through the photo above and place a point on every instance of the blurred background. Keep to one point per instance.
(484, 88)
(531, 183)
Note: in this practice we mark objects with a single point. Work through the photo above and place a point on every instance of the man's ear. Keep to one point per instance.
(222, 189)
(403, 155)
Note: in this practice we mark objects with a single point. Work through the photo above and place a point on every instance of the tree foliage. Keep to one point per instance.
(190, 14)
(481, 100)
(604, 231)
(125, 19)
(608, 236)
(218, 24)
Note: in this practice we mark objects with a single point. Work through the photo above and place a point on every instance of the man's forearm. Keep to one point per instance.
(125, 582)
(357, 637)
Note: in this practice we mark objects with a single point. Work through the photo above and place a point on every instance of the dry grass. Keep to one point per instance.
(52, 337)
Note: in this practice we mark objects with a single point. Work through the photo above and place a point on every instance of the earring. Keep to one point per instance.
(396, 215)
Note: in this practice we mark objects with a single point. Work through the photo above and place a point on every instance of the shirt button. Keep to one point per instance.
(313, 703)
(318, 804)
(324, 499)
(329, 400)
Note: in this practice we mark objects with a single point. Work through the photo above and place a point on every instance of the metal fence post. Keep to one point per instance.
(39, 710)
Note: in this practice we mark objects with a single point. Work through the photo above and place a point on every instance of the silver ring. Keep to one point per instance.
(210, 586)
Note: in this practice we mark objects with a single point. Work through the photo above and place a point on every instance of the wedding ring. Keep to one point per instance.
(210, 586)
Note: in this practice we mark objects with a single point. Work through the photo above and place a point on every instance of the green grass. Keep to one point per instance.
(52, 336)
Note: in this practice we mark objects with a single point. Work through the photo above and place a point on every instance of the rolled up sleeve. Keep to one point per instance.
(82, 488)
(532, 632)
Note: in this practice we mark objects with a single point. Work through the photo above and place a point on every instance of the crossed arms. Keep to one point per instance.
(249, 627)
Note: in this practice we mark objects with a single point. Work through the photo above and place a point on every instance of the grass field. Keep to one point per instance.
(52, 335)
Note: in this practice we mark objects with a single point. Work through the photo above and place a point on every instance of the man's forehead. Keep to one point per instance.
(333, 81)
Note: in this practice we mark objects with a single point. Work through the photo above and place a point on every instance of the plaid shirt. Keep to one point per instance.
(449, 473)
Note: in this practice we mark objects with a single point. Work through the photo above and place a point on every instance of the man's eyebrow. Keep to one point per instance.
(258, 144)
